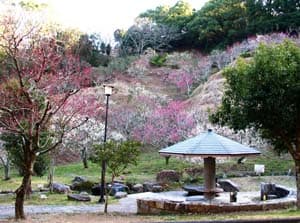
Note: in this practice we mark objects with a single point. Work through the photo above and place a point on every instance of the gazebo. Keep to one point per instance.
(209, 146)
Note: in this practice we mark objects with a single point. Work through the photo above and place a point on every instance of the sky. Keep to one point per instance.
(104, 16)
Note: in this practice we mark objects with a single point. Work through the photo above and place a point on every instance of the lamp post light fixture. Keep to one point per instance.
(107, 92)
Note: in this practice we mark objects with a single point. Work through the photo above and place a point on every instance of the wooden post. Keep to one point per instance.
(209, 177)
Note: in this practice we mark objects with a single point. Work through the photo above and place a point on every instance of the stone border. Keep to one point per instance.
(146, 206)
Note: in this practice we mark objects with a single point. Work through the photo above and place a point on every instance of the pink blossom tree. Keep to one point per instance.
(133, 115)
(37, 80)
(183, 80)
(166, 125)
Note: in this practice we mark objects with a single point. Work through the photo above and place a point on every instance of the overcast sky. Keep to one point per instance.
(104, 16)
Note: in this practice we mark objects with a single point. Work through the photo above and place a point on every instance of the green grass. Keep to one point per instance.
(274, 214)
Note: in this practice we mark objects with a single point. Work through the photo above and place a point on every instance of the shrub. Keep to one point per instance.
(158, 60)
(12, 145)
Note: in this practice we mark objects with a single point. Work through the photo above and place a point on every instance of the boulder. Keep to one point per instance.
(152, 187)
(157, 188)
(118, 187)
(120, 195)
(281, 191)
(79, 197)
(147, 186)
(228, 186)
(167, 176)
(138, 188)
(61, 188)
(96, 190)
(82, 186)
(79, 179)
(272, 191)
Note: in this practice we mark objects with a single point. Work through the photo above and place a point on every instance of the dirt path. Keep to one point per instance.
(85, 218)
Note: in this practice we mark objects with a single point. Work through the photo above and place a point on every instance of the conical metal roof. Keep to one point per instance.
(209, 144)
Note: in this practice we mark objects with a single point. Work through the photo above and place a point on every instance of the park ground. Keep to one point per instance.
(149, 164)
(116, 218)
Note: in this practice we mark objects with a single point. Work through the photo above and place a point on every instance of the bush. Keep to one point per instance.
(158, 60)
(117, 64)
(83, 186)
(40, 167)
(13, 146)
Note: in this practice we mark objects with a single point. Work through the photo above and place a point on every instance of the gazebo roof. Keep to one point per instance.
(209, 144)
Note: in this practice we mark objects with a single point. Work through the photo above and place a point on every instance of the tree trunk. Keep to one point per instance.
(7, 170)
(51, 174)
(21, 192)
(107, 193)
(84, 157)
(297, 165)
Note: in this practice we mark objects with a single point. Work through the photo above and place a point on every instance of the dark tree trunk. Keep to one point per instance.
(297, 165)
(7, 170)
(84, 157)
(6, 167)
(51, 174)
(24, 189)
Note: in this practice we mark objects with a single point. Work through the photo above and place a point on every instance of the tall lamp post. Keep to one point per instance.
(107, 92)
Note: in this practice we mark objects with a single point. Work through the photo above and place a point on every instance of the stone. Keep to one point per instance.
(152, 187)
(82, 186)
(147, 186)
(120, 195)
(281, 191)
(167, 176)
(138, 188)
(193, 190)
(96, 190)
(61, 188)
(272, 191)
(228, 186)
(79, 197)
(43, 196)
(157, 188)
(79, 179)
(117, 187)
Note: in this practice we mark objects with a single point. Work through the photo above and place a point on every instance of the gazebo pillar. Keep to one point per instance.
(209, 177)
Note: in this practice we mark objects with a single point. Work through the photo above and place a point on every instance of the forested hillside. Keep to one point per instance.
(217, 24)
(167, 67)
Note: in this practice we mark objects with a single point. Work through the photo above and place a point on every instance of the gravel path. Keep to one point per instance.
(124, 206)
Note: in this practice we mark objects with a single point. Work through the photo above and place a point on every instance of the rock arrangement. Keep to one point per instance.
(167, 176)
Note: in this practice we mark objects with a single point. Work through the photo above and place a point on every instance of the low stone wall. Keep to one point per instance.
(164, 206)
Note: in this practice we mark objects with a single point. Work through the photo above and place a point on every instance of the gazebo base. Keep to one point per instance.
(218, 205)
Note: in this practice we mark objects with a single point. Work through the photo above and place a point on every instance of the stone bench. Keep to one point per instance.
(199, 190)
(272, 191)
(228, 186)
